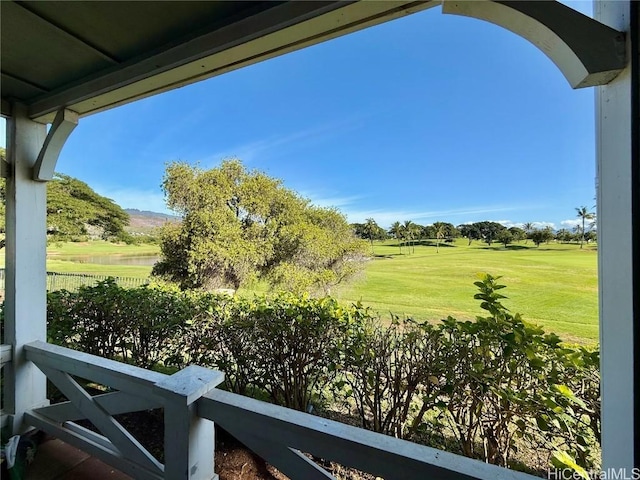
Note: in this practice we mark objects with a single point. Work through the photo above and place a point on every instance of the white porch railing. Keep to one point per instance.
(278, 435)
(191, 404)
(189, 440)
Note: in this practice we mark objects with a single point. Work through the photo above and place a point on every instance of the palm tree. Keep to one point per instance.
(408, 229)
(397, 231)
(370, 228)
(440, 234)
(583, 214)
(528, 228)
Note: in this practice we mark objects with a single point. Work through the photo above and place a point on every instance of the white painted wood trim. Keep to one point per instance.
(253, 40)
(368, 451)
(615, 255)
(117, 375)
(189, 384)
(25, 282)
(63, 124)
(587, 52)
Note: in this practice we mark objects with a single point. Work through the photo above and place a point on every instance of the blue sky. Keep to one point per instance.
(427, 118)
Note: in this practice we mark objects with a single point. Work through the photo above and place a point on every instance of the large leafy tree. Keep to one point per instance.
(489, 230)
(542, 235)
(74, 210)
(239, 225)
(584, 214)
(505, 237)
(470, 231)
(518, 233)
(370, 230)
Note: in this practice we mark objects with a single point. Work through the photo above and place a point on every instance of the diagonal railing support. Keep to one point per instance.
(189, 440)
(122, 440)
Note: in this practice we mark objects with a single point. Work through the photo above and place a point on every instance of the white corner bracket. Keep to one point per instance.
(61, 128)
(588, 52)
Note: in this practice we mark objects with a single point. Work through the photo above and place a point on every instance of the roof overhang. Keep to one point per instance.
(101, 76)
(90, 56)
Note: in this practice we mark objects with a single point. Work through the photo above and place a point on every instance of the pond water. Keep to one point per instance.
(113, 259)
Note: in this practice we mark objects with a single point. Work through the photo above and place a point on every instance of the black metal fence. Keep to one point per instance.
(73, 281)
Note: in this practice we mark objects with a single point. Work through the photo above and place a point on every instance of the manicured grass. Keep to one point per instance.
(101, 248)
(135, 271)
(96, 248)
(554, 285)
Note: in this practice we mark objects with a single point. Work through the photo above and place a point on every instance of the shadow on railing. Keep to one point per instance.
(191, 403)
(5, 357)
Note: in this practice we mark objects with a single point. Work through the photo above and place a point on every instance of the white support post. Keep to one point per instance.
(615, 255)
(25, 290)
(189, 441)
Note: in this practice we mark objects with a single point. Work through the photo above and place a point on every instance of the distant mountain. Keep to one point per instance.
(144, 220)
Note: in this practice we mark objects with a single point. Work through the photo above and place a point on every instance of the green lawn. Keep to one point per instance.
(101, 248)
(96, 248)
(553, 285)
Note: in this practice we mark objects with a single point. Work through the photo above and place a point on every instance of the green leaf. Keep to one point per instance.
(562, 460)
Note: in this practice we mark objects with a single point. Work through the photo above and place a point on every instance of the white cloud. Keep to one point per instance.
(251, 151)
(572, 223)
(328, 201)
(507, 223)
(543, 224)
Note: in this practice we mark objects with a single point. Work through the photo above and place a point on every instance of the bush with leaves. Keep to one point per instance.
(490, 381)
(505, 380)
(218, 336)
(153, 317)
(134, 325)
(390, 372)
(284, 345)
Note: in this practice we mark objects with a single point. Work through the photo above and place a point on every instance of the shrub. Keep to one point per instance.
(506, 379)
(388, 371)
(135, 325)
(284, 345)
(218, 337)
(490, 381)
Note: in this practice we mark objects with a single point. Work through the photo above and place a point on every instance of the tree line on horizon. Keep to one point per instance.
(408, 233)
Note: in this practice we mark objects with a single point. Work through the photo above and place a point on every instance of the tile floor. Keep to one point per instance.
(56, 460)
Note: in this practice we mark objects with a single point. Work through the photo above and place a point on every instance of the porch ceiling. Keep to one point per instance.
(91, 56)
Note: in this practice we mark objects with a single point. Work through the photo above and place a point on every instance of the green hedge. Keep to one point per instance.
(493, 384)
